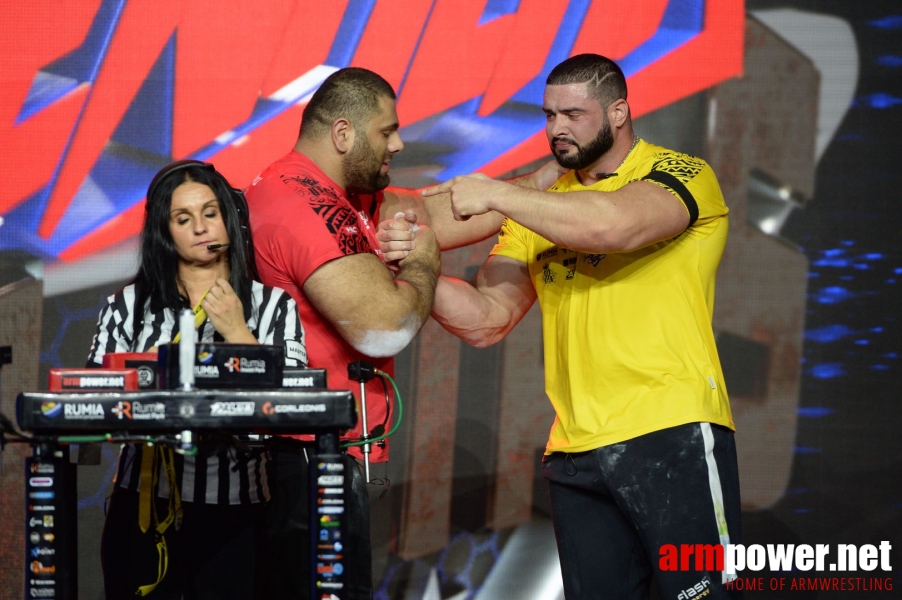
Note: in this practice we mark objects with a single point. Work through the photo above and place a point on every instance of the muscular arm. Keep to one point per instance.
(374, 312)
(486, 313)
(435, 211)
(634, 216)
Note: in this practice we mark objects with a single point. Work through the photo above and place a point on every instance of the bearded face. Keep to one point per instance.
(579, 156)
(363, 170)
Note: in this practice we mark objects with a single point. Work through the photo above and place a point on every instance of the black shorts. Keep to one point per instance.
(614, 509)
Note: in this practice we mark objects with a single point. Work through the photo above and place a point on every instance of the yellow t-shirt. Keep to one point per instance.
(629, 347)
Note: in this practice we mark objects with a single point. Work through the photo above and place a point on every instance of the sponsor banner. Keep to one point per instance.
(293, 377)
(331, 510)
(735, 558)
(237, 364)
(335, 547)
(301, 382)
(330, 480)
(269, 409)
(331, 585)
(146, 376)
(82, 410)
(206, 371)
(116, 382)
(38, 568)
(329, 569)
(43, 521)
(51, 409)
(139, 411)
(232, 409)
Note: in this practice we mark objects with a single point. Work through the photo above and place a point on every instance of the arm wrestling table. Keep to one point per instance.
(58, 418)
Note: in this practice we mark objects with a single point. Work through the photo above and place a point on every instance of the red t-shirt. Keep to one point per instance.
(300, 220)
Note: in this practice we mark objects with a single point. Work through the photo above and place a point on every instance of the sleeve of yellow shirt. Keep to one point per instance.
(693, 181)
(511, 242)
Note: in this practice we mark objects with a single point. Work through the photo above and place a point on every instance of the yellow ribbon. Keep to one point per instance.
(200, 315)
(147, 508)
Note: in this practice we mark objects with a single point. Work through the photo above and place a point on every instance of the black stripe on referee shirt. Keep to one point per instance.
(200, 479)
(259, 465)
(156, 329)
(93, 360)
(244, 483)
(280, 318)
(223, 483)
(677, 186)
(265, 294)
(110, 325)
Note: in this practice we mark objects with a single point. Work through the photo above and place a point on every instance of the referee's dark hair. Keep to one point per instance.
(158, 269)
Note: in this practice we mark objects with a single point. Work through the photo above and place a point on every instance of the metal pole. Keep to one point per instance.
(366, 447)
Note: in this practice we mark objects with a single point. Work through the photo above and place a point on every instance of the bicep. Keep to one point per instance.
(507, 285)
(649, 213)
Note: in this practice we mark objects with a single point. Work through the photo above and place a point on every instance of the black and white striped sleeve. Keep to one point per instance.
(114, 327)
(280, 324)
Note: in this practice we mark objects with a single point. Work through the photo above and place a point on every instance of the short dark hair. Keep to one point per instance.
(352, 93)
(605, 78)
(158, 270)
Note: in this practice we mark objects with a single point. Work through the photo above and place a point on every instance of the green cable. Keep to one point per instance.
(400, 404)
(400, 407)
(85, 439)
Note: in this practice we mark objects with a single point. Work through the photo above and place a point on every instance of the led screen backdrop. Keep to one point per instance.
(125, 86)
(795, 104)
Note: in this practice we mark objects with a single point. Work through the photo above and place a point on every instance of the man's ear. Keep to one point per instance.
(342, 135)
(618, 112)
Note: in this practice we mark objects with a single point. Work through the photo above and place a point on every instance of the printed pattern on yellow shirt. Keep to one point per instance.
(628, 343)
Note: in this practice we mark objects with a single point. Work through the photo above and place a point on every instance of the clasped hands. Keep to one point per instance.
(397, 236)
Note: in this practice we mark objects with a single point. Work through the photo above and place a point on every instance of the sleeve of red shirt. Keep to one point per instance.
(290, 240)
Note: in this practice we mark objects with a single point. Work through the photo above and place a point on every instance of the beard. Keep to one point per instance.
(362, 169)
(585, 156)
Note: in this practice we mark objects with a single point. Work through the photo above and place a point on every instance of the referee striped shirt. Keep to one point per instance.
(218, 474)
